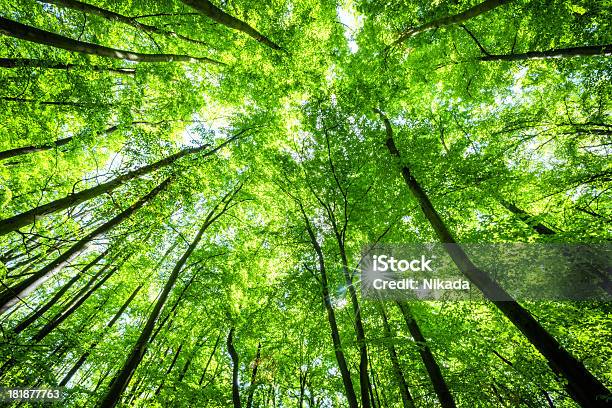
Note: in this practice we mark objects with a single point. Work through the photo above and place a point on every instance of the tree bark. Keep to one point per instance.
(56, 321)
(537, 226)
(169, 369)
(582, 386)
(433, 369)
(39, 63)
(123, 377)
(93, 345)
(112, 16)
(32, 34)
(7, 154)
(22, 289)
(235, 368)
(57, 296)
(30, 216)
(475, 11)
(212, 354)
(249, 403)
(573, 52)
(407, 400)
(331, 317)
(213, 12)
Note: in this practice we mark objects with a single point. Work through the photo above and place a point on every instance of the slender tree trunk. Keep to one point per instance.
(51, 325)
(331, 317)
(39, 63)
(123, 377)
(364, 380)
(93, 345)
(169, 369)
(213, 12)
(30, 216)
(172, 312)
(253, 377)
(57, 296)
(475, 11)
(583, 386)
(433, 369)
(537, 226)
(112, 16)
(572, 52)
(32, 34)
(7, 154)
(407, 400)
(235, 368)
(22, 289)
(212, 354)
(55, 103)
(187, 364)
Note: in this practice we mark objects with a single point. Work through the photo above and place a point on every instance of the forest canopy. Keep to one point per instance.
(188, 189)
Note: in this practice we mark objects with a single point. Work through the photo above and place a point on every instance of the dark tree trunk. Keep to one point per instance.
(235, 368)
(51, 325)
(39, 63)
(172, 312)
(169, 370)
(22, 289)
(56, 297)
(212, 354)
(331, 317)
(573, 52)
(93, 345)
(213, 12)
(123, 377)
(407, 400)
(112, 16)
(583, 387)
(433, 369)
(475, 11)
(249, 403)
(30, 216)
(537, 226)
(7, 154)
(32, 34)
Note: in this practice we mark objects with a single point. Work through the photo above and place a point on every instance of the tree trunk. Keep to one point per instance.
(331, 317)
(32, 34)
(169, 370)
(30, 216)
(123, 377)
(40, 63)
(7, 154)
(253, 377)
(57, 296)
(47, 328)
(209, 360)
(213, 12)
(537, 226)
(235, 368)
(112, 16)
(172, 312)
(54, 103)
(93, 345)
(475, 11)
(573, 52)
(364, 380)
(433, 369)
(407, 400)
(583, 387)
(22, 289)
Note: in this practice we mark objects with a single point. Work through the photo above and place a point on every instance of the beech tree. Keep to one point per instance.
(192, 192)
